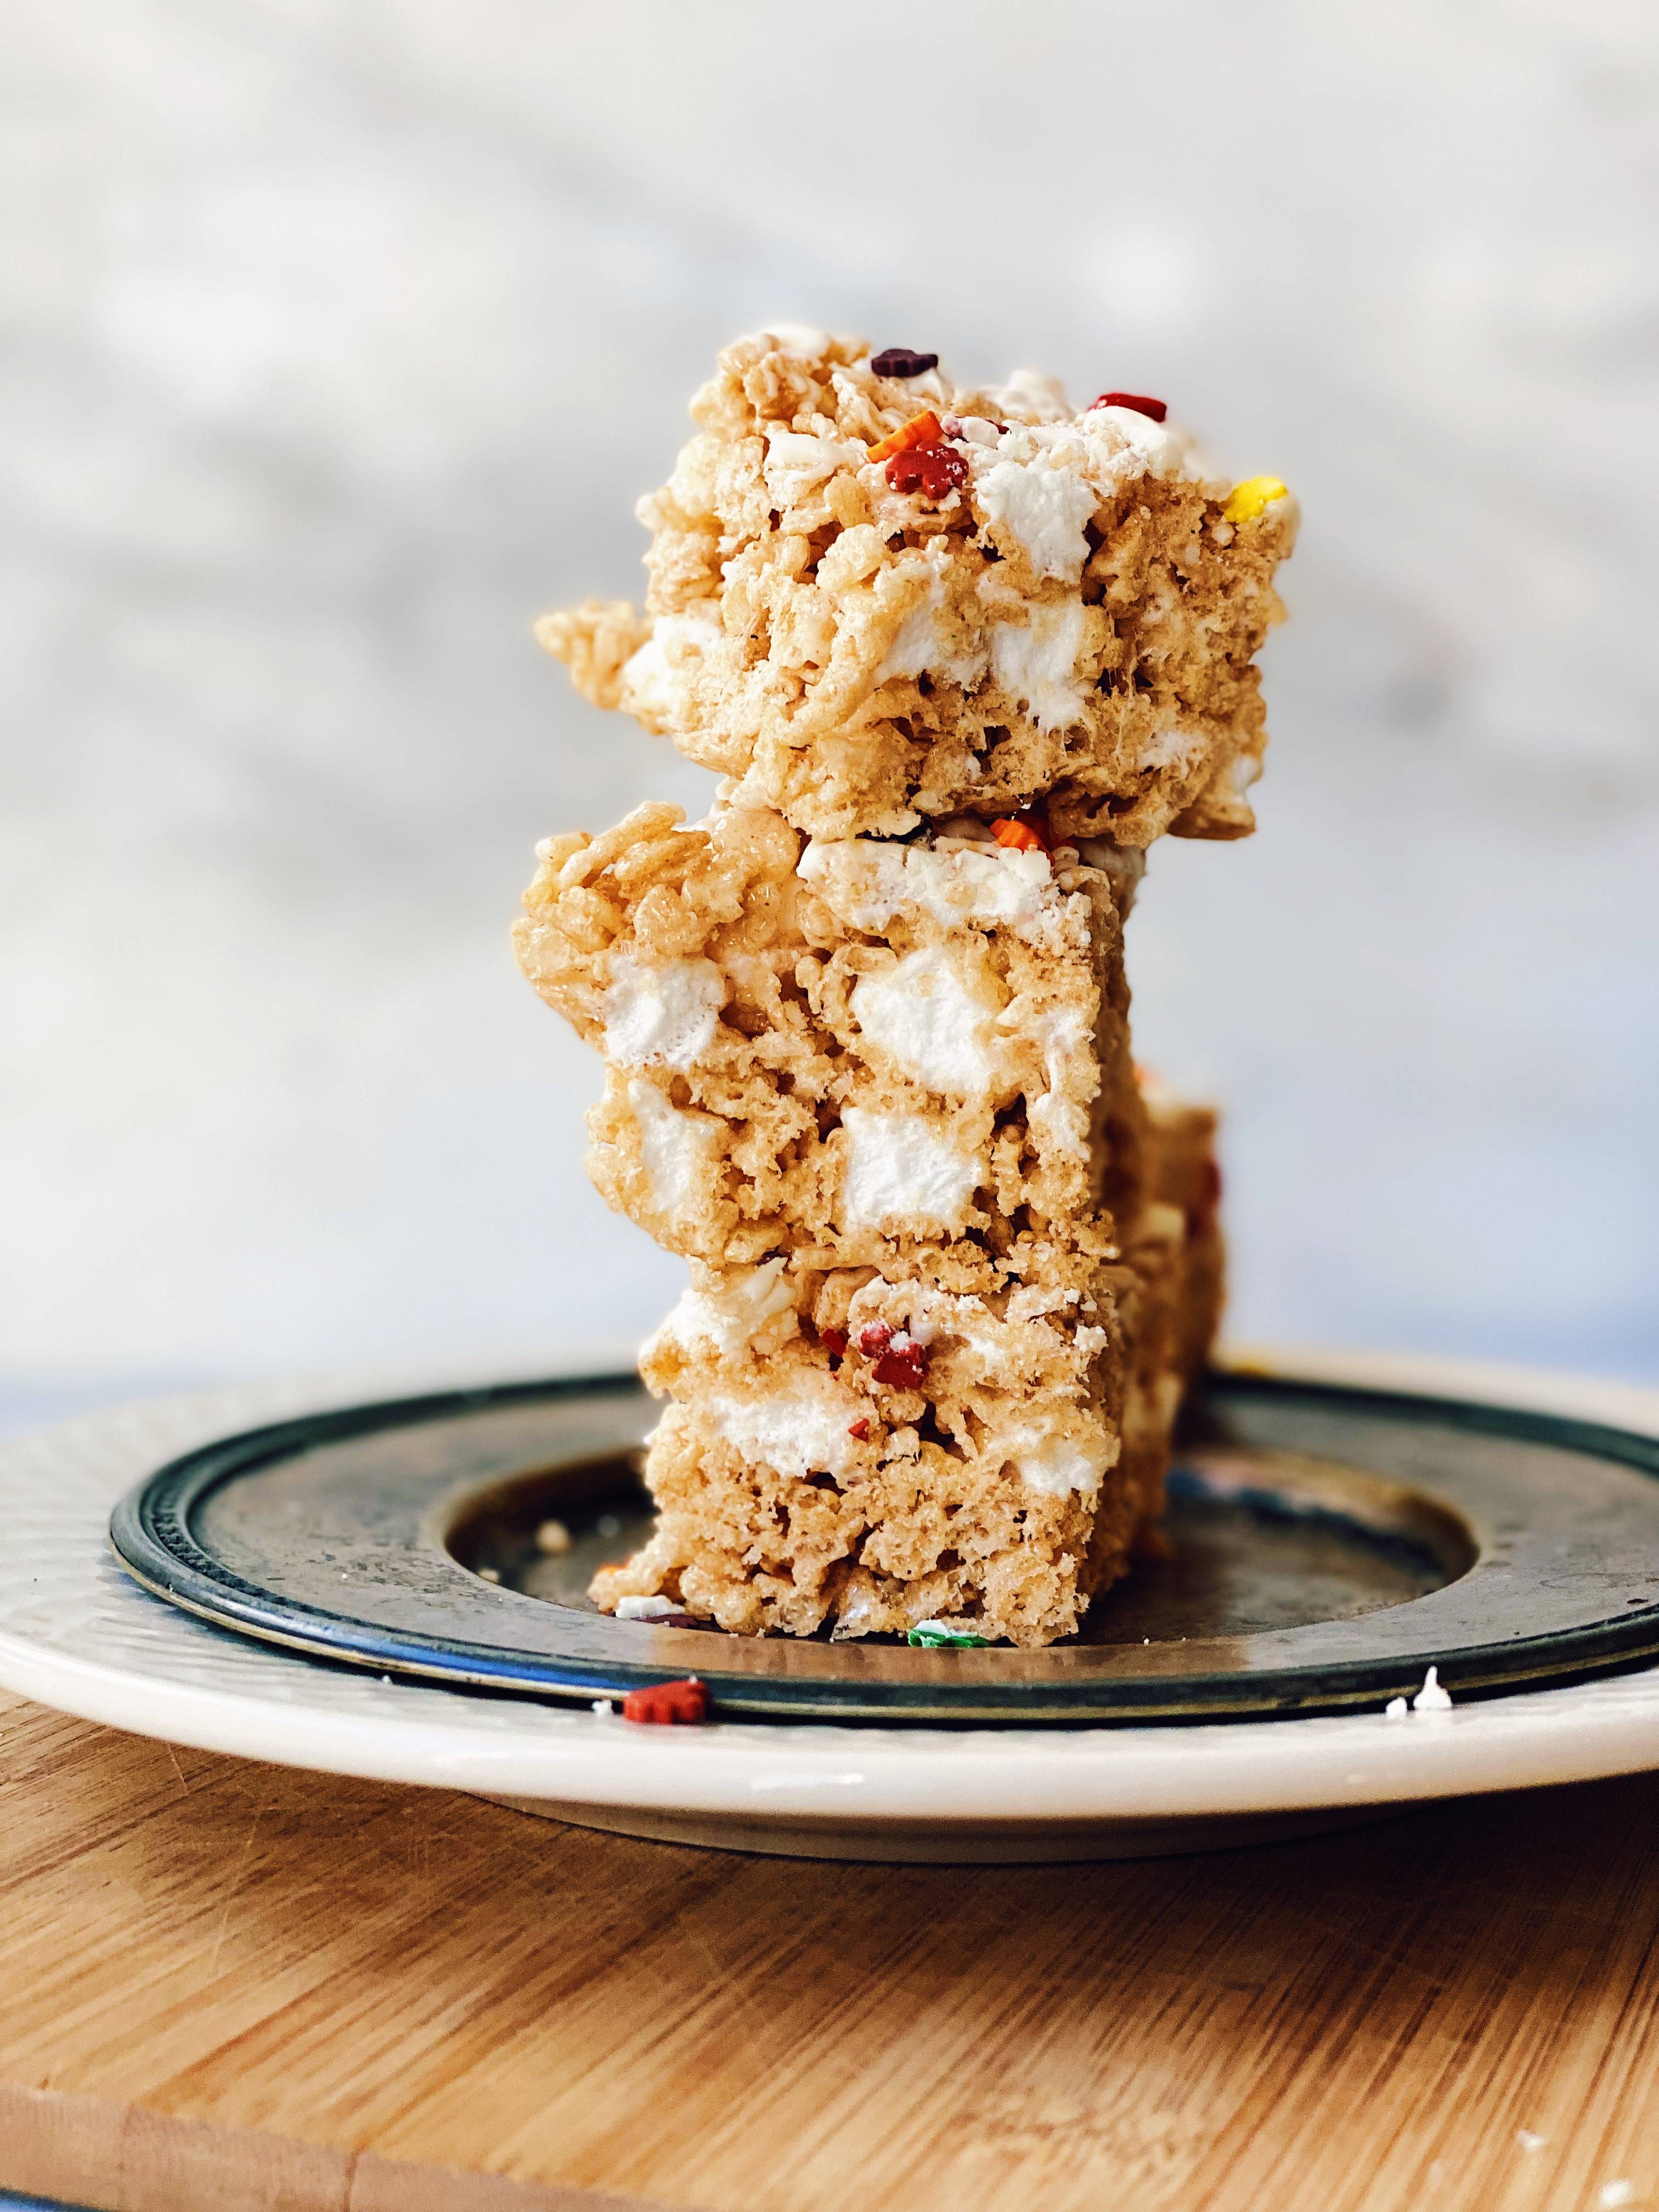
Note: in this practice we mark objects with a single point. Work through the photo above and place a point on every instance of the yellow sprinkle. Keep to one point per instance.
(1252, 498)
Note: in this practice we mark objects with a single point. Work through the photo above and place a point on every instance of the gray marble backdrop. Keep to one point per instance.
(339, 341)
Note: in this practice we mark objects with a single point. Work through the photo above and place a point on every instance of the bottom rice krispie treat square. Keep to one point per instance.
(941, 1439)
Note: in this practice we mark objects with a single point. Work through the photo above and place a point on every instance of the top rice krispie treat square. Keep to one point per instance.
(876, 597)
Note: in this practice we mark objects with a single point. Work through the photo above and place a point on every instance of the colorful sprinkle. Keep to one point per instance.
(900, 361)
(923, 429)
(934, 471)
(1024, 832)
(1252, 498)
(1154, 410)
(935, 1635)
(669, 1705)
(860, 1429)
(903, 1366)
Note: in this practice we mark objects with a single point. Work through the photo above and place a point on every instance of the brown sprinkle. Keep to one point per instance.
(900, 361)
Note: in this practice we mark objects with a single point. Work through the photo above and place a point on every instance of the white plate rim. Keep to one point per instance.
(218, 1693)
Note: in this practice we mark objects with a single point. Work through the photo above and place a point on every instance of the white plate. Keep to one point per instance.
(75, 1633)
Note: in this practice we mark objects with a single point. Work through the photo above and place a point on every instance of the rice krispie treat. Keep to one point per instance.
(848, 1048)
(869, 1448)
(877, 597)
(960, 655)
(880, 1095)
(864, 1448)
(1172, 1308)
(1183, 1179)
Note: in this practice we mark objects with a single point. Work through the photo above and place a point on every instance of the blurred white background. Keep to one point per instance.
(339, 338)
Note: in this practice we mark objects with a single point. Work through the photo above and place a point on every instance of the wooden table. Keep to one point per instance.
(224, 1985)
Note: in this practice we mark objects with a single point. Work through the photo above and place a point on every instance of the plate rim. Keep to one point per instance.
(151, 1533)
(864, 1776)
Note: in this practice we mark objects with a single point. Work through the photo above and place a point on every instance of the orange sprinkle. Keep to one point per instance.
(1021, 833)
(921, 430)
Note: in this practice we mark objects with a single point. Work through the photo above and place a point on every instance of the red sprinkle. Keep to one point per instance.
(1154, 408)
(834, 1341)
(903, 1368)
(875, 1339)
(934, 471)
(900, 361)
(669, 1705)
(860, 1429)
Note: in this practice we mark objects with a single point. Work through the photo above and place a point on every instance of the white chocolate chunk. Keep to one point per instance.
(677, 1151)
(901, 1166)
(800, 1432)
(661, 1012)
(1037, 662)
(726, 1319)
(867, 884)
(923, 1015)
(1042, 510)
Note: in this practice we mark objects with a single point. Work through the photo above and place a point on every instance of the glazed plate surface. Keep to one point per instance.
(1329, 1545)
(1340, 1525)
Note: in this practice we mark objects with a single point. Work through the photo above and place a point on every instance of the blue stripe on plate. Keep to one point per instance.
(12, 2200)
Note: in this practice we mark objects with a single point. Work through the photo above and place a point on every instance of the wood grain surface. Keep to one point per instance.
(227, 1984)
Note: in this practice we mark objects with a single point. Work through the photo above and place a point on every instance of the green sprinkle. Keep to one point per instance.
(933, 1635)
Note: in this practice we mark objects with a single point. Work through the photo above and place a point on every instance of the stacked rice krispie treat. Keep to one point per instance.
(960, 655)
